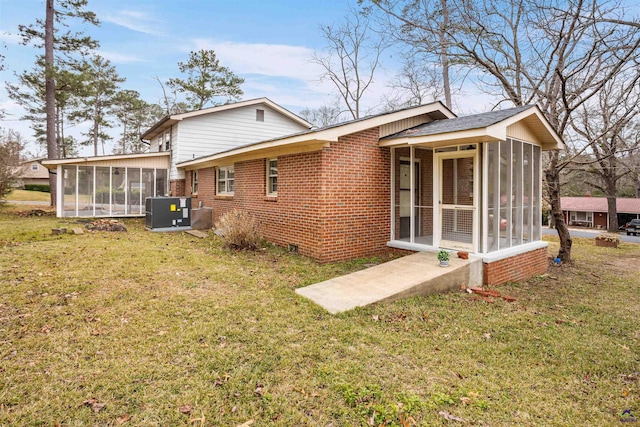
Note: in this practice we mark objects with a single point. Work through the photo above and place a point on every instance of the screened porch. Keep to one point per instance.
(106, 191)
(480, 198)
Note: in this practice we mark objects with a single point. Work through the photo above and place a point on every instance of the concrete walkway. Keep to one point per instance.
(412, 275)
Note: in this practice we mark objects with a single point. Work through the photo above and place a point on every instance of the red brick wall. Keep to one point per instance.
(517, 268)
(291, 218)
(177, 187)
(356, 195)
(332, 204)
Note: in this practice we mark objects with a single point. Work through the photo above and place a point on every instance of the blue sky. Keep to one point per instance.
(269, 43)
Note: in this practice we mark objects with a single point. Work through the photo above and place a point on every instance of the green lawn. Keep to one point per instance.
(142, 328)
(28, 196)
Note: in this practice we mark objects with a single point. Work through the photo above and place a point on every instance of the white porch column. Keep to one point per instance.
(412, 196)
(59, 192)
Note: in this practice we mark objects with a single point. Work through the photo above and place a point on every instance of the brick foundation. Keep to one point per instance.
(516, 268)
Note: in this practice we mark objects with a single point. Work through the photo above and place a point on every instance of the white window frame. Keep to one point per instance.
(194, 181)
(227, 182)
(34, 166)
(259, 115)
(270, 177)
(167, 141)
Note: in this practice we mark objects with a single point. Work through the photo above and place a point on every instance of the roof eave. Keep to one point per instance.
(53, 163)
(469, 136)
(323, 136)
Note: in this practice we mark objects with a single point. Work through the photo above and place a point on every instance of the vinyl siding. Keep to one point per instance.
(221, 131)
(522, 132)
(400, 125)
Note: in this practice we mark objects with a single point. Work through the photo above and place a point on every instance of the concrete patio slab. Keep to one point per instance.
(412, 275)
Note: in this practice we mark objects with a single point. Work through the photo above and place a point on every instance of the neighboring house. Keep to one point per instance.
(31, 172)
(118, 185)
(593, 212)
(414, 179)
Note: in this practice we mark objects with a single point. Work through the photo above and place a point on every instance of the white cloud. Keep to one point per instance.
(10, 38)
(265, 59)
(120, 58)
(134, 21)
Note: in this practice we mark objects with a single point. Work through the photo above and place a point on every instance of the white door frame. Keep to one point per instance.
(438, 157)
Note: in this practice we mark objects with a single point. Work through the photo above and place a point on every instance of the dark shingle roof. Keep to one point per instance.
(457, 124)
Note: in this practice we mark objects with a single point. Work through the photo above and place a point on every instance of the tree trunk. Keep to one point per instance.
(552, 175)
(50, 97)
(444, 57)
(612, 209)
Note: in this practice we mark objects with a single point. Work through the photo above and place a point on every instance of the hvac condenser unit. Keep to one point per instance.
(168, 213)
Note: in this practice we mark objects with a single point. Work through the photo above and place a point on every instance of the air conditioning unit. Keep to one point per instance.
(168, 213)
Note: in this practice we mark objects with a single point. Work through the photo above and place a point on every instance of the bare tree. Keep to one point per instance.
(557, 54)
(11, 147)
(323, 116)
(170, 100)
(606, 125)
(424, 25)
(351, 58)
(417, 83)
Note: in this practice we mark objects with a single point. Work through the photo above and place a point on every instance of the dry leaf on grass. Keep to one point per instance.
(95, 405)
(185, 409)
(246, 424)
(450, 417)
(123, 419)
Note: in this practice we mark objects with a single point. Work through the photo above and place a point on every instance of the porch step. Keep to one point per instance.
(412, 275)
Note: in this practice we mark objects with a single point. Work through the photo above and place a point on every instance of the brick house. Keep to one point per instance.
(117, 185)
(415, 179)
(593, 212)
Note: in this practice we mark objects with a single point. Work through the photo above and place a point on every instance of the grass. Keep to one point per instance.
(168, 329)
(28, 196)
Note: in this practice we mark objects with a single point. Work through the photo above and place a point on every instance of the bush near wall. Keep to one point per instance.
(38, 187)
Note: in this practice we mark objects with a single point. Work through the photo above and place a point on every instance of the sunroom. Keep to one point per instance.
(109, 186)
(470, 183)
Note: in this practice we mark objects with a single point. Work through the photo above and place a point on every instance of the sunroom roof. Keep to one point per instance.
(484, 127)
(457, 124)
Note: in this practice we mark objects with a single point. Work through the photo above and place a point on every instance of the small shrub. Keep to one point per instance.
(239, 230)
(443, 255)
(38, 187)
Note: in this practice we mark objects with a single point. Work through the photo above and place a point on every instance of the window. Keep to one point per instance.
(34, 166)
(194, 182)
(259, 115)
(272, 177)
(167, 141)
(225, 180)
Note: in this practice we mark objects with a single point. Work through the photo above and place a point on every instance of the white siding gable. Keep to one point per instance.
(224, 130)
